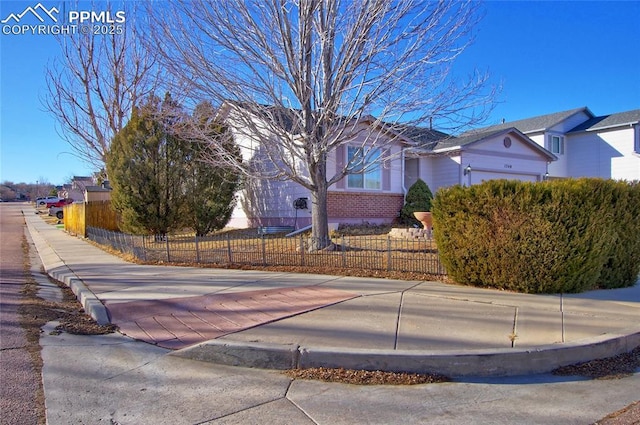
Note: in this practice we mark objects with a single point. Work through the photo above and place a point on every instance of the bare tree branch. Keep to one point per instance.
(302, 77)
(94, 84)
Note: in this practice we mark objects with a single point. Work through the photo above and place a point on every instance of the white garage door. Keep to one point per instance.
(480, 176)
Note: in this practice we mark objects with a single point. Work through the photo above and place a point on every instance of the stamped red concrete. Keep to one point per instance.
(179, 322)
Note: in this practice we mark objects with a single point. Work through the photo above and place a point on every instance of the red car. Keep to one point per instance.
(60, 203)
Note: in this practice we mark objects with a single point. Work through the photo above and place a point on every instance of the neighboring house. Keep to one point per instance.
(76, 189)
(97, 193)
(83, 189)
(572, 143)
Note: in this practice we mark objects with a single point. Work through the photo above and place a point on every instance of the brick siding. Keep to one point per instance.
(363, 206)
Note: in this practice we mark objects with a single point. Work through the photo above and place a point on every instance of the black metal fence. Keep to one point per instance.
(364, 252)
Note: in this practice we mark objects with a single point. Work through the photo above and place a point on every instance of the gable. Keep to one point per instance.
(495, 142)
(512, 144)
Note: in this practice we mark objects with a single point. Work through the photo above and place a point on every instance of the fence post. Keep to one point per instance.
(229, 248)
(301, 250)
(134, 249)
(344, 251)
(144, 247)
(388, 253)
(441, 268)
(166, 238)
(264, 252)
(132, 245)
(197, 251)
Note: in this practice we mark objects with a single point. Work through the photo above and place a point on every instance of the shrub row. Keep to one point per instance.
(557, 236)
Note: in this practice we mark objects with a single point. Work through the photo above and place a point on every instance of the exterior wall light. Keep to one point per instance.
(467, 170)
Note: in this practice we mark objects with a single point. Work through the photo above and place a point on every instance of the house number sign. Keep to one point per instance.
(509, 166)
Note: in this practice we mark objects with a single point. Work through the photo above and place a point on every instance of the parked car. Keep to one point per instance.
(41, 202)
(60, 203)
(57, 211)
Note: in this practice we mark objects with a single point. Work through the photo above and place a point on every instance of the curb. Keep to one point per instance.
(57, 270)
(233, 353)
(455, 364)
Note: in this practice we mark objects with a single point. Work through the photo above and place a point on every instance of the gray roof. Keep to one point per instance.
(454, 143)
(609, 121)
(290, 120)
(424, 138)
(535, 124)
(97, 189)
(469, 138)
(286, 119)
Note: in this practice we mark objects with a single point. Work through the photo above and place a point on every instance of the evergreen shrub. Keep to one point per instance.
(553, 237)
(419, 198)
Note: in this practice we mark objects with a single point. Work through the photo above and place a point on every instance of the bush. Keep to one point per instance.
(419, 198)
(559, 236)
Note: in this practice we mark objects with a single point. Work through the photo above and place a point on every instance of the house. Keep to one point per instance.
(76, 189)
(573, 143)
(97, 193)
(83, 189)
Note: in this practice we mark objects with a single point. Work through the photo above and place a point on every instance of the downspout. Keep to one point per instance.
(404, 188)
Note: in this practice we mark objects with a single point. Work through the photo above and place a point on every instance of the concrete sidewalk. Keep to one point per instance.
(283, 320)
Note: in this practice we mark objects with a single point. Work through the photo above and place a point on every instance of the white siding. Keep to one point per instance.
(570, 123)
(606, 154)
(262, 198)
(445, 172)
(538, 138)
(560, 168)
(412, 168)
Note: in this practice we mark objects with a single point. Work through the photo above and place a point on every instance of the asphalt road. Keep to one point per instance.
(20, 378)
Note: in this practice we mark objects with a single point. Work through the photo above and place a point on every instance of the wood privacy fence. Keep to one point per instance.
(363, 252)
(79, 216)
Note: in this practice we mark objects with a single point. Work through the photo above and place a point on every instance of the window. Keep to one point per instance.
(371, 177)
(557, 144)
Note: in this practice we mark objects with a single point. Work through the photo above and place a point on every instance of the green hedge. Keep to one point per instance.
(558, 236)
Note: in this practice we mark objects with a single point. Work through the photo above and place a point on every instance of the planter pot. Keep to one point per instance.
(424, 217)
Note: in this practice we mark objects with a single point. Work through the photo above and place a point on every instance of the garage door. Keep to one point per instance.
(480, 176)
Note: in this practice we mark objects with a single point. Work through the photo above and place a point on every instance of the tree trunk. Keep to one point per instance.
(319, 219)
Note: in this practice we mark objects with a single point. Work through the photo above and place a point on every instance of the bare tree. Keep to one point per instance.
(300, 78)
(95, 82)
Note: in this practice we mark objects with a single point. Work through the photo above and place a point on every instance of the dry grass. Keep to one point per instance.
(378, 253)
(365, 377)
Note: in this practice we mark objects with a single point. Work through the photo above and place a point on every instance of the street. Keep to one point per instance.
(21, 400)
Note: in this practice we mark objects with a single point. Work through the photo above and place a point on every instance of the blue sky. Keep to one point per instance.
(548, 57)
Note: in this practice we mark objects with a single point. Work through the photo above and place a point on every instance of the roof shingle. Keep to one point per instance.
(530, 125)
(608, 121)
